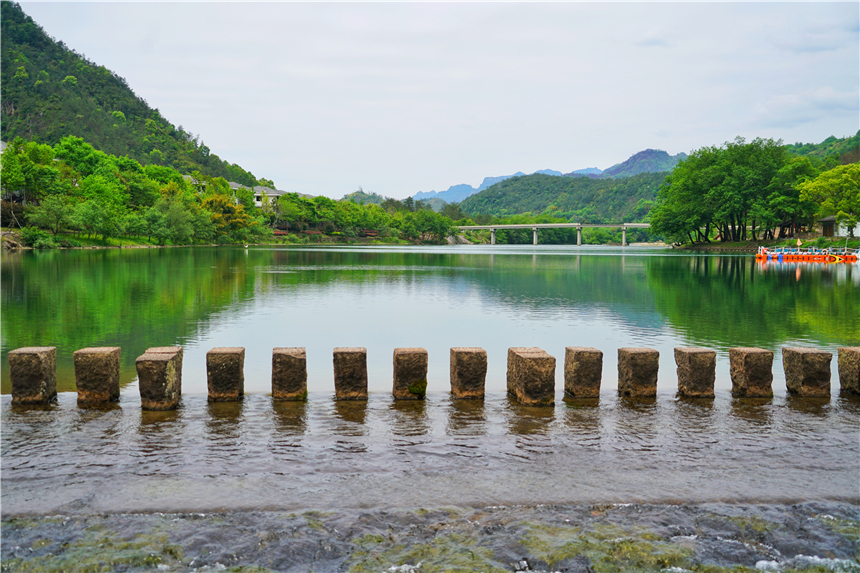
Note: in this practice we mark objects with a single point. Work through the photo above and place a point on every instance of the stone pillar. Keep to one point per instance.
(33, 373)
(534, 236)
(807, 371)
(468, 372)
(623, 236)
(579, 236)
(289, 374)
(531, 376)
(158, 379)
(849, 369)
(225, 374)
(171, 350)
(350, 373)
(696, 372)
(492, 236)
(583, 369)
(410, 373)
(97, 374)
(637, 372)
(752, 372)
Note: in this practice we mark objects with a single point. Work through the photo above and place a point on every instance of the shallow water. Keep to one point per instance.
(324, 454)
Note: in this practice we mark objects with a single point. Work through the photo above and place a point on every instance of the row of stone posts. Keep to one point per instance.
(530, 373)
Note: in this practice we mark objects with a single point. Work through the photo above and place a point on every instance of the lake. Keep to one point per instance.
(694, 478)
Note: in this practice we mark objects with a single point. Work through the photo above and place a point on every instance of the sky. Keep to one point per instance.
(398, 98)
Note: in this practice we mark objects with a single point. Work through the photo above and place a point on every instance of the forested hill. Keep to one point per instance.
(49, 92)
(581, 199)
(847, 148)
(648, 161)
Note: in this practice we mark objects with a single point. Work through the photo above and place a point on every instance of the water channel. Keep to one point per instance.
(386, 456)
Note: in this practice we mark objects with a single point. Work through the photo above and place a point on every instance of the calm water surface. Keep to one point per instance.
(324, 454)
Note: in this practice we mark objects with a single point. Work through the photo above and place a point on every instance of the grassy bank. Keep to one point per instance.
(752, 246)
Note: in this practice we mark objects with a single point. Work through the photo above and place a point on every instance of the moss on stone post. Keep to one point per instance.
(410, 373)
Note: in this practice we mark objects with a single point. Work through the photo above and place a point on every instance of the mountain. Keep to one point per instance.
(581, 199)
(847, 148)
(648, 161)
(49, 92)
(590, 171)
(456, 193)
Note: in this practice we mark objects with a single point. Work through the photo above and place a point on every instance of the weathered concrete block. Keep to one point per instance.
(531, 376)
(97, 374)
(350, 373)
(637, 371)
(697, 370)
(849, 369)
(289, 374)
(33, 373)
(225, 374)
(171, 350)
(468, 372)
(807, 371)
(752, 371)
(583, 370)
(410, 373)
(158, 379)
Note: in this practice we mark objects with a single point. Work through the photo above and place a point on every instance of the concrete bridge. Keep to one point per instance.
(578, 226)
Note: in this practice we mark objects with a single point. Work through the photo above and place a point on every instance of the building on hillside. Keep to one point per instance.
(829, 228)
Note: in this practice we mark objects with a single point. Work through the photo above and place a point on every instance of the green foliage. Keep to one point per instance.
(73, 95)
(576, 199)
(836, 192)
(37, 238)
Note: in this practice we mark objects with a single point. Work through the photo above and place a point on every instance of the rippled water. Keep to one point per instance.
(325, 454)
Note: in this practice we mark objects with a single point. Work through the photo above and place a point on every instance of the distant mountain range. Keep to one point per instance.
(648, 161)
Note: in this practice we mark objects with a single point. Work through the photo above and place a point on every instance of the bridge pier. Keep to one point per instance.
(492, 236)
(534, 236)
(623, 236)
(579, 237)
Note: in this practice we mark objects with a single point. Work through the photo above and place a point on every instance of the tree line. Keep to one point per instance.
(753, 190)
(73, 186)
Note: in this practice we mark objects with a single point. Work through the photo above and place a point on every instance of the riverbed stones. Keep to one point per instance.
(583, 370)
(697, 369)
(33, 373)
(350, 373)
(637, 372)
(807, 371)
(171, 350)
(410, 373)
(158, 379)
(849, 369)
(751, 370)
(531, 376)
(225, 374)
(97, 374)
(289, 374)
(468, 372)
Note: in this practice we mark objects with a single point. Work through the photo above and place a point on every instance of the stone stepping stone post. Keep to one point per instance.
(33, 373)
(752, 372)
(468, 372)
(97, 374)
(225, 374)
(637, 372)
(583, 370)
(410, 373)
(289, 374)
(350, 373)
(849, 369)
(697, 369)
(170, 350)
(158, 379)
(807, 371)
(531, 376)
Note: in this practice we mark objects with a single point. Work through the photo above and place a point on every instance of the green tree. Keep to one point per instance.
(837, 193)
(53, 213)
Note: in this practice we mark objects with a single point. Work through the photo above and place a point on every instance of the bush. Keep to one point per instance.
(37, 238)
(69, 242)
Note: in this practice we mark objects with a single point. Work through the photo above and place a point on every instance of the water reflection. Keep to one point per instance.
(528, 420)
(409, 418)
(466, 417)
(818, 406)
(291, 416)
(756, 412)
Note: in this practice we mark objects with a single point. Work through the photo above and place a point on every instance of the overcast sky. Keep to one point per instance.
(399, 98)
